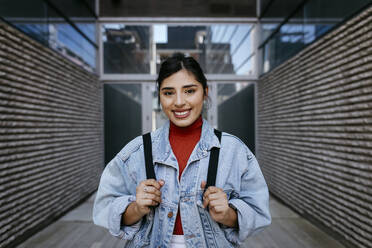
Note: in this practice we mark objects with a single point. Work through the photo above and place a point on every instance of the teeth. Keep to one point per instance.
(181, 113)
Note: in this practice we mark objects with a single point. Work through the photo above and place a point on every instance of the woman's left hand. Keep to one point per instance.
(219, 209)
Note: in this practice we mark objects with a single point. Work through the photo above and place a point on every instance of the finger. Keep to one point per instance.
(154, 183)
(146, 189)
(217, 209)
(208, 192)
(213, 196)
(217, 195)
(154, 203)
(213, 189)
(205, 201)
(217, 205)
(218, 202)
(140, 188)
(147, 202)
(203, 184)
(152, 190)
(153, 197)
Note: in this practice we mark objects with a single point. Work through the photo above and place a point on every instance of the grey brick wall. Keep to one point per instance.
(51, 149)
(315, 131)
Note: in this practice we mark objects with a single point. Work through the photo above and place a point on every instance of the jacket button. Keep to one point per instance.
(170, 214)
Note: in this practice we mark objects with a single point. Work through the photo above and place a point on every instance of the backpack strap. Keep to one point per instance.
(213, 162)
(212, 167)
(147, 146)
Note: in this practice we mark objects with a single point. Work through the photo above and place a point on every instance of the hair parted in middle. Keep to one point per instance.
(177, 62)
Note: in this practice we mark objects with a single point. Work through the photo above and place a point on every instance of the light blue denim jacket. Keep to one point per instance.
(238, 175)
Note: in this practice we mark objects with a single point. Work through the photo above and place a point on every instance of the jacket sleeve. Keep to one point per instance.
(115, 192)
(251, 203)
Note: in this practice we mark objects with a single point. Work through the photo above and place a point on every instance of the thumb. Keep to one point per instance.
(161, 182)
(203, 184)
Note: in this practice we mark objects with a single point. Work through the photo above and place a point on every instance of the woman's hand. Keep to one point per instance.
(147, 194)
(219, 209)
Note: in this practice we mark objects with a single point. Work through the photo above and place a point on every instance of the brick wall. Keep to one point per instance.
(315, 131)
(51, 152)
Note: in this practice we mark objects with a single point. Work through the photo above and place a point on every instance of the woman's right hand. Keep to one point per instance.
(148, 194)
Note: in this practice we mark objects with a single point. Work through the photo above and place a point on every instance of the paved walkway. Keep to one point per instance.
(76, 230)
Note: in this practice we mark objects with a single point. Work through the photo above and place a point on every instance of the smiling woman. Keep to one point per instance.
(181, 94)
(205, 179)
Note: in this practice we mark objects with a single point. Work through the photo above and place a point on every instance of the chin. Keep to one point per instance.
(182, 123)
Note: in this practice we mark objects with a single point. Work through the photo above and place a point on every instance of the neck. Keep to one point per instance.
(196, 126)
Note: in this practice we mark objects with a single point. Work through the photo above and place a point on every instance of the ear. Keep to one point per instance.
(206, 93)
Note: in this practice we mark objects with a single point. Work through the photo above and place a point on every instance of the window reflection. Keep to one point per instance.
(42, 21)
(220, 49)
(228, 90)
(311, 20)
(126, 48)
(69, 42)
(65, 39)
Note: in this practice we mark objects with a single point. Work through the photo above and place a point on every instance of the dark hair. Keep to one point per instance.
(177, 62)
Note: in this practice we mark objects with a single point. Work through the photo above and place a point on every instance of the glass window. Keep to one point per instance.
(321, 16)
(126, 49)
(81, 13)
(42, 21)
(311, 21)
(220, 49)
(70, 43)
(228, 90)
(275, 14)
(123, 116)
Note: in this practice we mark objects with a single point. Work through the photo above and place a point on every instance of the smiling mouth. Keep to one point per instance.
(182, 114)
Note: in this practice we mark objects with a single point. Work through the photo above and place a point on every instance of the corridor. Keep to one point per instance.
(291, 78)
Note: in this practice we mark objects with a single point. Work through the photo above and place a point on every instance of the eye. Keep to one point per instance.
(190, 91)
(167, 93)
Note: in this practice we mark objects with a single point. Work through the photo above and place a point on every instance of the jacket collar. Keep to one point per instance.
(162, 151)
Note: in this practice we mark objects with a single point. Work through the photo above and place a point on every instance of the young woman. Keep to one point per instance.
(176, 209)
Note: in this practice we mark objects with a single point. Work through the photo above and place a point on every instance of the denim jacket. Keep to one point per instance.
(238, 175)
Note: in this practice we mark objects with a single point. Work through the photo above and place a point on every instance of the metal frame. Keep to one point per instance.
(148, 78)
(177, 20)
(146, 108)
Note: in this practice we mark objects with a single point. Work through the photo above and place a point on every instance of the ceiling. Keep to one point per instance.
(177, 8)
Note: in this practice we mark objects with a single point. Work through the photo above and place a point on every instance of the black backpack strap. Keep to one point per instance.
(147, 146)
(213, 163)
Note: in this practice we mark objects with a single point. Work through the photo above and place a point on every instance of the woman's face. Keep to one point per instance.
(181, 98)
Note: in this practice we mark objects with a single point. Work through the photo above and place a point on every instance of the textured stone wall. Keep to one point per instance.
(315, 131)
(51, 149)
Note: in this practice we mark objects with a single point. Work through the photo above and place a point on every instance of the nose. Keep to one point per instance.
(180, 101)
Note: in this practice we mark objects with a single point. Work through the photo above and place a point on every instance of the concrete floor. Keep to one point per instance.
(76, 230)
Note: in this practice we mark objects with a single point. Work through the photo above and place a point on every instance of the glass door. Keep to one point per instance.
(123, 115)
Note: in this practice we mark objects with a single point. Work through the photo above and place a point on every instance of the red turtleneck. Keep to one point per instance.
(183, 141)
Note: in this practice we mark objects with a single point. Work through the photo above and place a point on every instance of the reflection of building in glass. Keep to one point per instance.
(69, 27)
(196, 41)
(56, 37)
(127, 50)
(60, 44)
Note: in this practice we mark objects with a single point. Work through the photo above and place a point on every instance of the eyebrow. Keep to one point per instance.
(185, 86)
